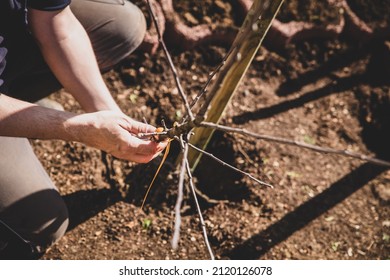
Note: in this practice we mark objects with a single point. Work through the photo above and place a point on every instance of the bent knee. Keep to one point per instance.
(48, 232)
(115, 29)
(128, 30)
(41, 218)
(131, 26)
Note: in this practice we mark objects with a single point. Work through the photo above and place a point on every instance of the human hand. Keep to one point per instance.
(114, 133)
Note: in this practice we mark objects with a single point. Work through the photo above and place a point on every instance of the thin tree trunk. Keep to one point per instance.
(243, 50)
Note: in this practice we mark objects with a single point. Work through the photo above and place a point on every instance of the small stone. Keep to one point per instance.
(382, 192)
(220, 4)
(190, 18)
(386, 223)
(207, 19)
(350, 252)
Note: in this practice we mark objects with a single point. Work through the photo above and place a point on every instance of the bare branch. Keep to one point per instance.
(202, 223)
(170, 62)
(230, 166)
(176, 233)
(151, 134)
(281, 140)
(209, 199)
(186, 127)
(210, 78)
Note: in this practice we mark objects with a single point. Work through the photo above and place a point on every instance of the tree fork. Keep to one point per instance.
(243, 50)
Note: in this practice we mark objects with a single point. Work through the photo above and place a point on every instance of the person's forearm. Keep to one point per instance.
(109, 131)
(23, 119)
(67, 50)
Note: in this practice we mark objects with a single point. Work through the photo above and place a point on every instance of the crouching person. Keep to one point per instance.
(46, 46)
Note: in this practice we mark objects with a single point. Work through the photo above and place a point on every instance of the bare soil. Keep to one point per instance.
(320, 12)
(375, 15)
(329, 93)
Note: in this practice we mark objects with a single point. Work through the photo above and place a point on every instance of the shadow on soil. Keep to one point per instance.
(217, 181)
(259, 244)
(210, 178)
(373, 104)
(83, 205)
(336, 86)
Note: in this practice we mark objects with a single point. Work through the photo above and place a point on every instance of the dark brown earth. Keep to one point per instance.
(332, 93)
(375, 15)
(320, 12)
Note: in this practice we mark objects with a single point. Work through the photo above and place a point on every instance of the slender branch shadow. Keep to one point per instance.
(338, 86)
(140, 178)
(336, 62)
(265, 240)
(374, 75)
(85, 204)
(226, 184)
(375, 49)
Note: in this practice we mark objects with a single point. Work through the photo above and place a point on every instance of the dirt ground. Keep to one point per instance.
(327, 92)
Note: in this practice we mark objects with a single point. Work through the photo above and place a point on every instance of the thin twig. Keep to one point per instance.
(144, 120)
(179, 200)
(210, 78)
(147, 135)
(247, 42)
(202, 223)
(186, 127)
(209, 199)
(170, 62)
(281, 140)
(230, 166)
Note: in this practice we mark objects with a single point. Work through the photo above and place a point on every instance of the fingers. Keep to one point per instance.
(143, 158)
(121, 142)
(141, 151)
(142, 146)
(145, 147)
(136, 127)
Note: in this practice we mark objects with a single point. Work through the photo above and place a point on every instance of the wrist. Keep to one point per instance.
(74, 128)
